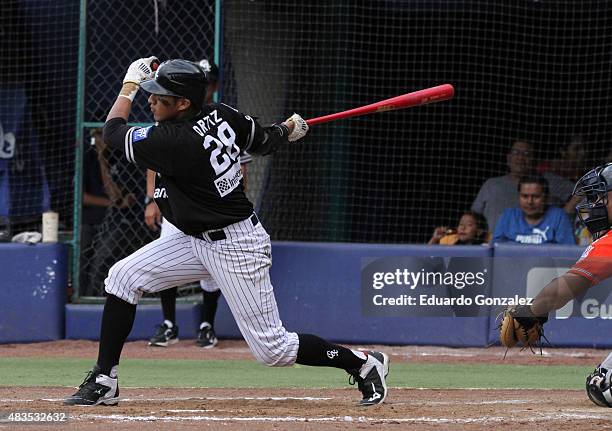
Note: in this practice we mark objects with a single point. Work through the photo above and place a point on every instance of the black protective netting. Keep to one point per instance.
(38, 80)
(534, 70)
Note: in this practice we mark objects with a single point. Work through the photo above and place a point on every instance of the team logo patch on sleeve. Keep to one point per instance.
(140, 134)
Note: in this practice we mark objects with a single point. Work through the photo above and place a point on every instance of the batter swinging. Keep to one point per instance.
(196, 151)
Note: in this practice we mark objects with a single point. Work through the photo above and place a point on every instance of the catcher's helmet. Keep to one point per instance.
(598, 387)
(594, 186)
(179, 78)
(210, 69)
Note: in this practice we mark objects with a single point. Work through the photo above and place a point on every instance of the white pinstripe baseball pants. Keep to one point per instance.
(239, 264)
(208, 284)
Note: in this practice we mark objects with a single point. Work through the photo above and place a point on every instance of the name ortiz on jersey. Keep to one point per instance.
(207, 166)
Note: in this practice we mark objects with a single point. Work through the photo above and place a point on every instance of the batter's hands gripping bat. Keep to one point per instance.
(408, 100)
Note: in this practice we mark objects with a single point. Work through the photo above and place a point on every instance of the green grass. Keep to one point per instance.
(249, 374)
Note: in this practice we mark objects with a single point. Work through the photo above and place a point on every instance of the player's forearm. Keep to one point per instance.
(558, 293)
(95, 201)
(150, 182)
(115, 127)
(122, 107)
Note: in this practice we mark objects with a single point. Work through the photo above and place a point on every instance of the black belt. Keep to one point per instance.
(218, 235)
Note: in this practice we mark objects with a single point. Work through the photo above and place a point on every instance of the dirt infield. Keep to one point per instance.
(322, 410)
(298, 409)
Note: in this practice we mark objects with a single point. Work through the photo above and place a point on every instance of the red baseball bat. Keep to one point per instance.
(408, 100)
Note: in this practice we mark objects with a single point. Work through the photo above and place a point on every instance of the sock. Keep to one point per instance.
(117, 320)
(168, 301)
(210, 300)
(317, 352)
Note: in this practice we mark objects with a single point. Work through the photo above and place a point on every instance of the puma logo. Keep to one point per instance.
(331, 354)
(541, 232)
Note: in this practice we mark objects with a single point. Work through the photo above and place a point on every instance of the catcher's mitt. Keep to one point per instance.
(520, 325)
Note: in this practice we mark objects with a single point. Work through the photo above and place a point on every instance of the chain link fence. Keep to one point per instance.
(114, 190)
(536, 71)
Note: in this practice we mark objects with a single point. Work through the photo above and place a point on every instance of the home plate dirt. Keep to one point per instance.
(178, 409)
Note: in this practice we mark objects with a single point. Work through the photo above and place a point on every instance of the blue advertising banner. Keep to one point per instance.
(525, 270)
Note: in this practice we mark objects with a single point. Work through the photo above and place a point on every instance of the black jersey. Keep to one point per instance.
(199, 182)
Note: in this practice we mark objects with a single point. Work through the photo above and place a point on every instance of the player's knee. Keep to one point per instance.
(114, 285)
(270, 360)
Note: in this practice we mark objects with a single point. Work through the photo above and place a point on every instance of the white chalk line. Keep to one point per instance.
(361, 419)
(312, 399)
(166, 399)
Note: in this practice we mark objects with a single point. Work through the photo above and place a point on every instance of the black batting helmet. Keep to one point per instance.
(179, 78)
(210, 69)
(594, 186)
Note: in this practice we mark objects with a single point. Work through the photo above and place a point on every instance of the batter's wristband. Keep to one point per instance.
(129, 90)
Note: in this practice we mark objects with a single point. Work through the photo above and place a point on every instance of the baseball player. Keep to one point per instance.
(593, 267)
(195, 151)
(168, 332)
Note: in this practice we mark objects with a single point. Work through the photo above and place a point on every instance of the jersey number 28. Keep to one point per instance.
(225, 151)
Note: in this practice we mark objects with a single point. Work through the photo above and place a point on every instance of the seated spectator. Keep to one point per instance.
(572, 161)
(498, 193)
(534, 221)
(472, 230)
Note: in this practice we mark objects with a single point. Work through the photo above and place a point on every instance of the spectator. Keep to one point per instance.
(499, 193)
(472, 230)
(534, 222)
(95, 203)
(122, 230)
(571, 164)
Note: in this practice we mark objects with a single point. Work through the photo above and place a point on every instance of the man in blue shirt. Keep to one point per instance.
(534, 222)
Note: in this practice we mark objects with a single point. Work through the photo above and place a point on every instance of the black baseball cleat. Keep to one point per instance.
(206, 336)
(96, 389)
(371, 378)
(167, 334)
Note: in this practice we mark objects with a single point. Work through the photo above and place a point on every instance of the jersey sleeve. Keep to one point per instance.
(258, 140)
(148, 147)
(595, 264)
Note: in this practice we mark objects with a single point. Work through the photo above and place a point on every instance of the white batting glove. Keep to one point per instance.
(140, 70)
(300, 128)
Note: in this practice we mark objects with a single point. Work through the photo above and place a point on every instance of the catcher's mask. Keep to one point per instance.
(594, 186)
(598, 387)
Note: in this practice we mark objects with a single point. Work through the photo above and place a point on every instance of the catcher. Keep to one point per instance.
(524, 324)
